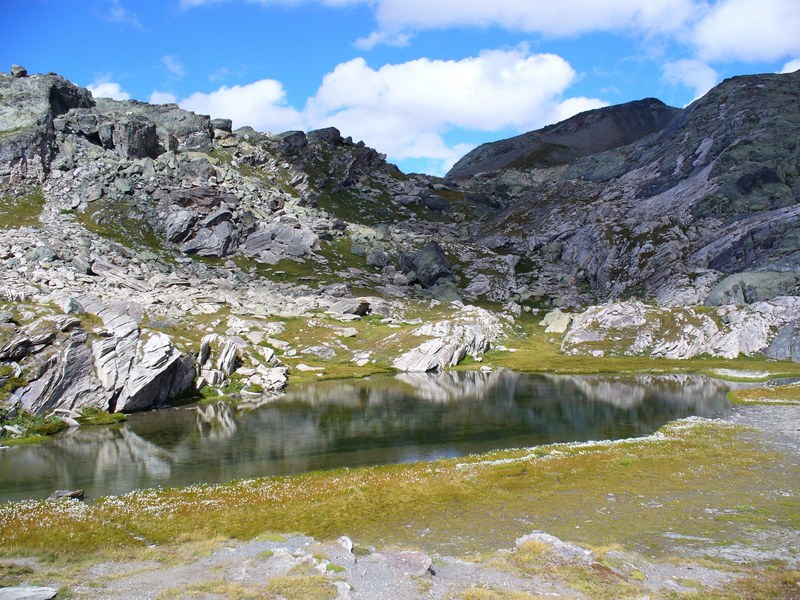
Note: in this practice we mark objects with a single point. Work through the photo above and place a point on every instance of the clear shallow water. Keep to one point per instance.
(348, 423)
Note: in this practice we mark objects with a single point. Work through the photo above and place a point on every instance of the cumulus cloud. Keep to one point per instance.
(162, 98)
(406, 110)
(564, 18)
(717, 30)
(749, 31)
(108, 89)
(261, 105)
(692, 74)
(497, 89)
(791, 66)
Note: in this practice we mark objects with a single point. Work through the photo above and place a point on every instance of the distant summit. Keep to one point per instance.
(584, 134)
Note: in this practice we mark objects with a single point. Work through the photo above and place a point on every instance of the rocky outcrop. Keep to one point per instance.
(66, 380)
(159, 373)
(27, 111)
(750, 287)
(666, 217)
(470, 332)
(223, 357)
(428, 266)
(116, 367)
(634, 328)
(285, 237)
(155, 219)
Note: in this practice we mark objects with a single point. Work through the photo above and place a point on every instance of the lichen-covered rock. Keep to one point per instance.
(634, 328)
(135, 137)
(159, 373)
(29, 106)
(749, 287)
(470, 331)
(556, 321)
(430, 265)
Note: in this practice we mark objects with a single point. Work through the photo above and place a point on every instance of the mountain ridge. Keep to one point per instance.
(206, 257)
(589, 132)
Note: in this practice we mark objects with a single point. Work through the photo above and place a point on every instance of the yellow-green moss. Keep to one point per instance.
(21, 211)
(783, 394)
(472, 503)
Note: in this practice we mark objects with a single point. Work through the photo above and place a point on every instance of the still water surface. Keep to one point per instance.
(329, 424)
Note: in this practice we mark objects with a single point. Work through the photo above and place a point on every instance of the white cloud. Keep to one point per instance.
(497, 89)
(162, 98)
(173, 64)
(571, 107)
(377, 38)
(718, 30)
(692, 74)
(108, 89)
(749, 31)
(406, 110)
(397, 18)
(791, 66)
(219, 74)
(563, 18)
(261, 105)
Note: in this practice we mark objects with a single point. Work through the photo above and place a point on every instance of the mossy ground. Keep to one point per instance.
(21, 211)
(696, 479)
(36, 429)
(784, 394)
(121, 222)
(531, 350)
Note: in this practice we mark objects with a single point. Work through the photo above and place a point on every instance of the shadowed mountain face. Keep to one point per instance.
(671, 216)
(589, 132)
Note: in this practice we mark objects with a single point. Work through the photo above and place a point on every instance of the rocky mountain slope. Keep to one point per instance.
(147, 251)
(705, 210)
(587, 133)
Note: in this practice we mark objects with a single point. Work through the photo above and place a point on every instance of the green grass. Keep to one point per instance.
(37, 429)
(10, 382)
(467, 504)
(538, 352)
(119, 221)
(12, 574)
(95, 416)
(21, 211)
(336, 252)
(302, 587)
(783, 394)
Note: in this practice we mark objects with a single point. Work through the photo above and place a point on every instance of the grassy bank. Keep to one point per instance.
(530, 349)
(693, 478)
(784, 394)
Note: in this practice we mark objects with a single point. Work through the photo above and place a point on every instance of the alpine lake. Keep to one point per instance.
(347, 423)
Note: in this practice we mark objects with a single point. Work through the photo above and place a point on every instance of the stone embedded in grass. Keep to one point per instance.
(28, 592)
(562, 551)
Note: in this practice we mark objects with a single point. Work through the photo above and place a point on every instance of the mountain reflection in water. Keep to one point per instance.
(413, 416)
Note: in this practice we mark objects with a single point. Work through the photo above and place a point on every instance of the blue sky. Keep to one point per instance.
(423, 81)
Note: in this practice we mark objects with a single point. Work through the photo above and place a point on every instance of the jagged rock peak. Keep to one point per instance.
(586, 133)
